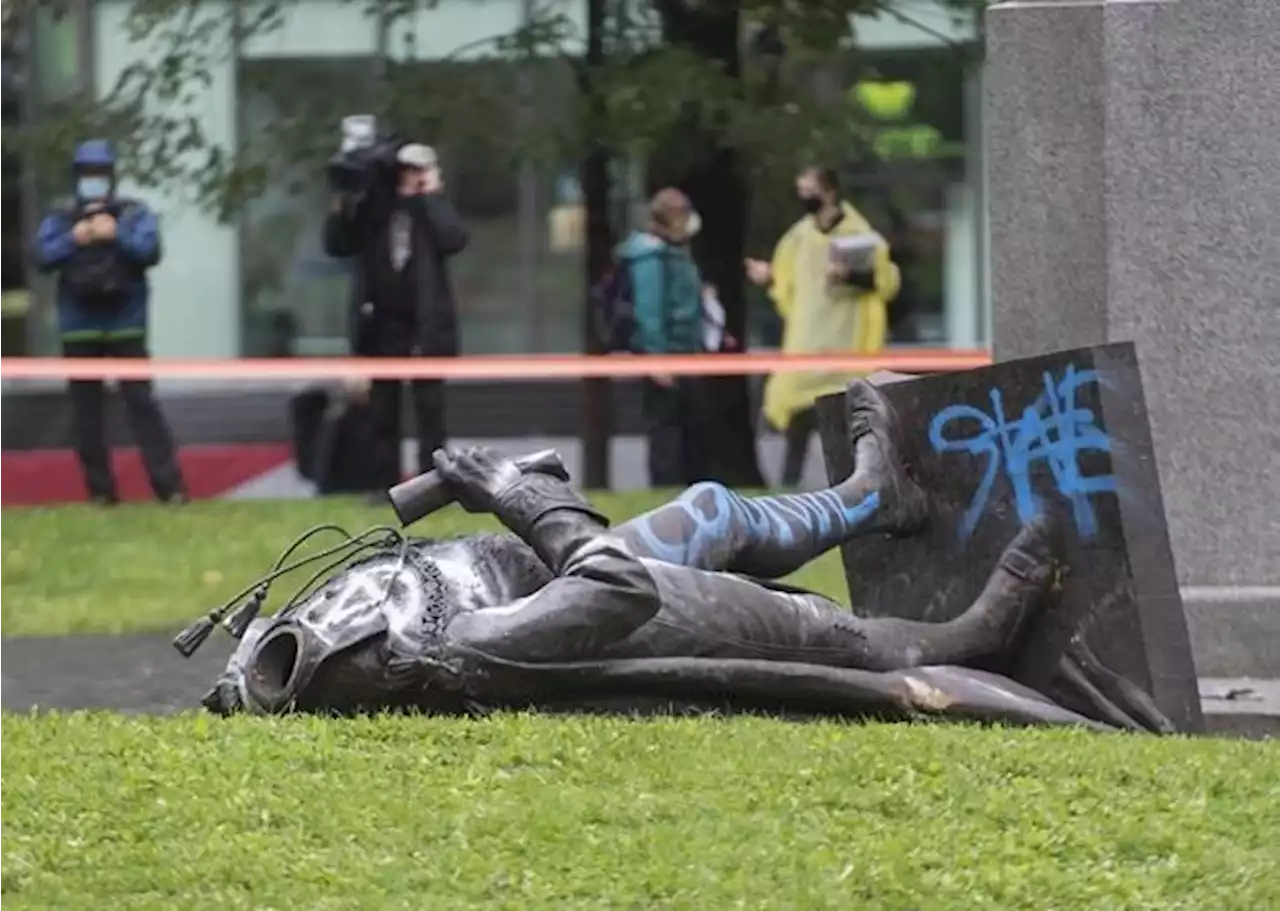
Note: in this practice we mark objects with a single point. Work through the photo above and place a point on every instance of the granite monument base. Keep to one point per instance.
(1133, 185)
(993, 447)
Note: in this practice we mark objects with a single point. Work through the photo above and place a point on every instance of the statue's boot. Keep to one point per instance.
(875, 437)
(1018, 586)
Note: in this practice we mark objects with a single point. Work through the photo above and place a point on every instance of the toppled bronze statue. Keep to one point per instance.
(678, 608)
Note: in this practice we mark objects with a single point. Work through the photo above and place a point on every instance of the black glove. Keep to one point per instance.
(477, 475)
(485, 481)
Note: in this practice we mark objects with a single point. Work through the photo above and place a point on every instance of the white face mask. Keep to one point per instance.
(693, 225)
(93, 188)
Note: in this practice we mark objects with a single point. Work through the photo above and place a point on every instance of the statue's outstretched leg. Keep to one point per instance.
(988, 628)
(733, 617)
(712, 527)
(993, 623)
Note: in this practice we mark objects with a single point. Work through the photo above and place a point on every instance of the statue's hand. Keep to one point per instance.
(477, 475)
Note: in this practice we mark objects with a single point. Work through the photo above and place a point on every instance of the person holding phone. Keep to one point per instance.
(100, 245)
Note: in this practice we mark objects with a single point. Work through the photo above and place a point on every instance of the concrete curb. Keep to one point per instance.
(1241, 706)
(1235, 631)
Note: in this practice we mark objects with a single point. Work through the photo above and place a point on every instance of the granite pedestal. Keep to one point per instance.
(992, 448)
(1134, 186)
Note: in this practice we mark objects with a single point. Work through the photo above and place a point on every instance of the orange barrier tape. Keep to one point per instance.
(491, 367)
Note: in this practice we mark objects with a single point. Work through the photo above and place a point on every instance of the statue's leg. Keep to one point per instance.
(1015, 589)
(714, 528)
(719, 615)
(989, 627)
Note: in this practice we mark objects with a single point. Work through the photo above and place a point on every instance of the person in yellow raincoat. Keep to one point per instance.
(831, 279)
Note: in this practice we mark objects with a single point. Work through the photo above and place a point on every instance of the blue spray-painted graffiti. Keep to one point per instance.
(708, 524)
(1054, 429)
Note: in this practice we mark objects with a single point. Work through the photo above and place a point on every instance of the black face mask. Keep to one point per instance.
(811, 204)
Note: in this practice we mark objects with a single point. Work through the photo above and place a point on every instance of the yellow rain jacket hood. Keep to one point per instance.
(821, 317)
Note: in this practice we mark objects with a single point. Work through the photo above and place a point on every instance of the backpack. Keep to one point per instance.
(613, 308)
(332, 439)
(99, 276)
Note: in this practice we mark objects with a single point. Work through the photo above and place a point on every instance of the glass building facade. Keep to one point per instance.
(260, 285)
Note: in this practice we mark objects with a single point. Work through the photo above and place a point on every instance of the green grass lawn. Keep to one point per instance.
(523, 812)
(137, 568)
(526, 812)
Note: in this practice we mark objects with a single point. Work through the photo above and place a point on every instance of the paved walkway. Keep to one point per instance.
(144, 675)
(137, 674)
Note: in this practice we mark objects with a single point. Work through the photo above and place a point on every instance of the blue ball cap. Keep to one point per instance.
(94, 153)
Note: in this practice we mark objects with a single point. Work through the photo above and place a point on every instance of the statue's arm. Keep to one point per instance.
(601, 594)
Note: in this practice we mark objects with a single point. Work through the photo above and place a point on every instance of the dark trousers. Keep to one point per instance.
(150, 429)
(386, 405)
(797, 435)
(674, 427)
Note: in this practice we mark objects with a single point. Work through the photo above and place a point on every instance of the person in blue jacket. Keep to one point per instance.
(100, 246)
(666, 294)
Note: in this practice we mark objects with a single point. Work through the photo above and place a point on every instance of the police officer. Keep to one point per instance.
(100, 246)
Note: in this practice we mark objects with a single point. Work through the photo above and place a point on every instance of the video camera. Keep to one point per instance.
(366, 161)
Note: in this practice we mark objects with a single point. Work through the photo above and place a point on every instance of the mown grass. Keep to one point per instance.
(523, 812)
(138, 568)
(526, 812)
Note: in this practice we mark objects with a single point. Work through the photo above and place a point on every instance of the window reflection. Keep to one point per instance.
(908, 187)
(912, 180)
(58, 56)
(47, 67)
(294, 298)
(512, 172)
(561, 279)
(468, 111)
(490, 278)
(16, 302)
(560, 213)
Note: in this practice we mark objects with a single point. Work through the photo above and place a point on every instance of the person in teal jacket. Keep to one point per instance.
(666, 296)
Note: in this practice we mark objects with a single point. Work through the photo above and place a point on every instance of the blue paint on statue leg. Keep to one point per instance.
(711, 527)
(696, 529)
(822, 516)
(784, 533)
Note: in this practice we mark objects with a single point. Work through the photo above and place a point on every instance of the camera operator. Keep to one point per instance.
(400, 229)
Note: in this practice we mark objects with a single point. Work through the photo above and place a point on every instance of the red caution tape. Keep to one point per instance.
(492, 367)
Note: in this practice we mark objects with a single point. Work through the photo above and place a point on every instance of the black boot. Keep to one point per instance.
(1018, 586)
(874, 437)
